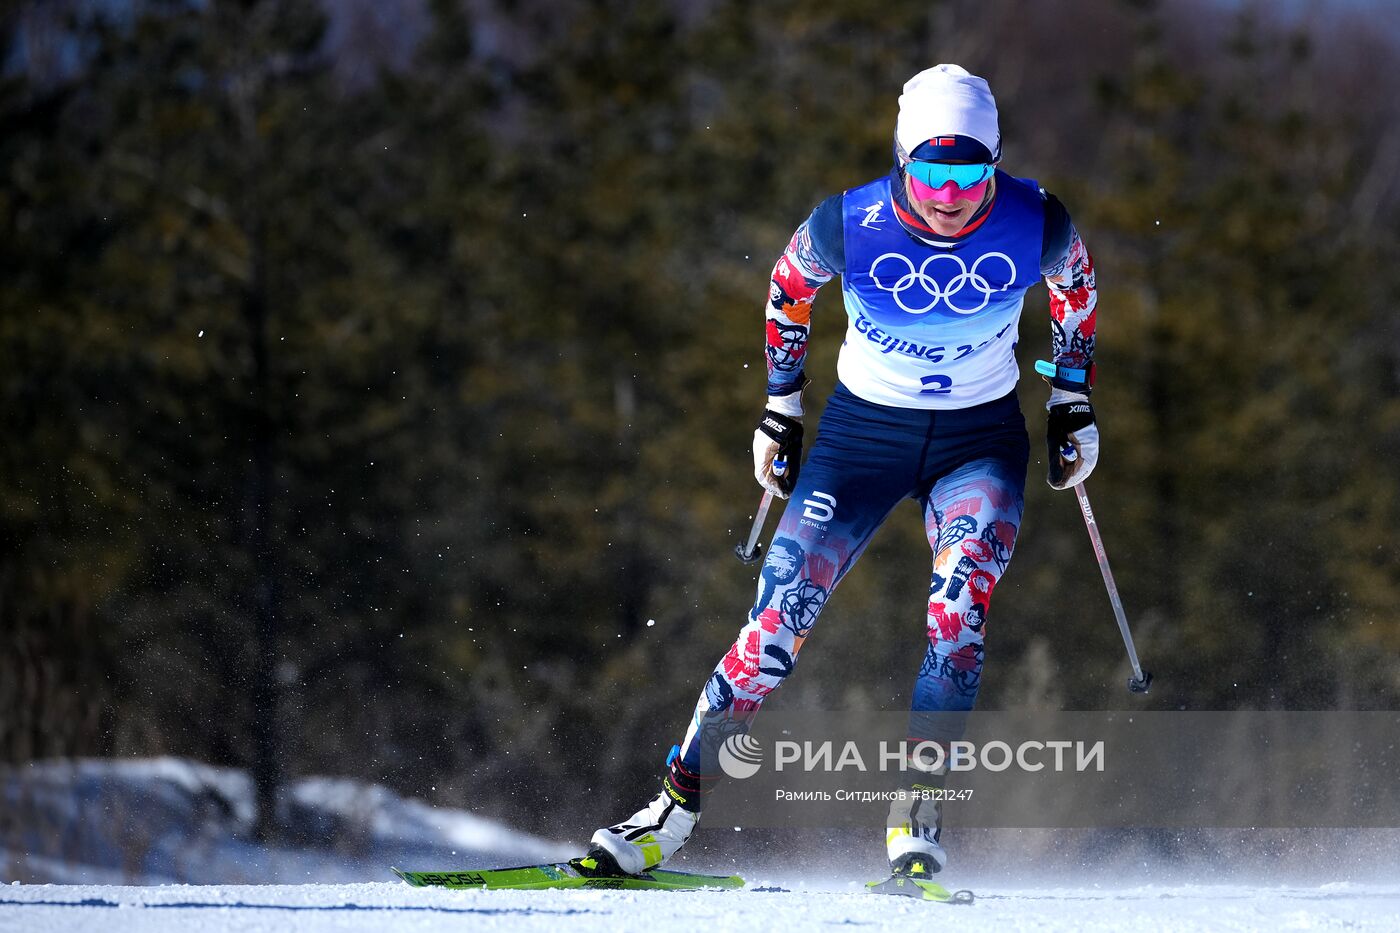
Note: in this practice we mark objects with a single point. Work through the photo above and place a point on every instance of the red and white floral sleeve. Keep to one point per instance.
(1073, 302)
(797, 275)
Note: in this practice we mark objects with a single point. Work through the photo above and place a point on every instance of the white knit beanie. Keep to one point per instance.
(946, 100)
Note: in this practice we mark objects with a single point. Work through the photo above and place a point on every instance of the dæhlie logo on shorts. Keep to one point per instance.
(943, 283)
(819, 507)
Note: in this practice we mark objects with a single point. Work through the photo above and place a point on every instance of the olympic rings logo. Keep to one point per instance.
(964, 278)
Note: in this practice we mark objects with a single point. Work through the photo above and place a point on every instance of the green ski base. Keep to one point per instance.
(905, 886)
(567, 875)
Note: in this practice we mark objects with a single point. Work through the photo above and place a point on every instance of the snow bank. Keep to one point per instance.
(169, 820)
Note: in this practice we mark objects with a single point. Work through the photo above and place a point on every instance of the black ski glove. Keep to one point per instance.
(778, 438)
(1070, 429)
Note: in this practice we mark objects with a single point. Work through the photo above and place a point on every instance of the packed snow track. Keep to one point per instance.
(313, 908)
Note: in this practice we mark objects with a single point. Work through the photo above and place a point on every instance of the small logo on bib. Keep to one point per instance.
(872, 215)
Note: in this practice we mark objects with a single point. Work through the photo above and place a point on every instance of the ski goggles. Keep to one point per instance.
(938, 174)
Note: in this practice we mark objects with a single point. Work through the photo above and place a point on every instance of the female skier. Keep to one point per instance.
(935, 259)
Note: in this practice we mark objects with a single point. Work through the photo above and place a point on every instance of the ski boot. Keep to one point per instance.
(911, 842)
(912, 834)
(654, 833)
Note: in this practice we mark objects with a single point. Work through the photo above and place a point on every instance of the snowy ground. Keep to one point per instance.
(396, 907)
(120, 835)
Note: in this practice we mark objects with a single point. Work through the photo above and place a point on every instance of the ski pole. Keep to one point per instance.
(748, 550)
(1141, 680)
